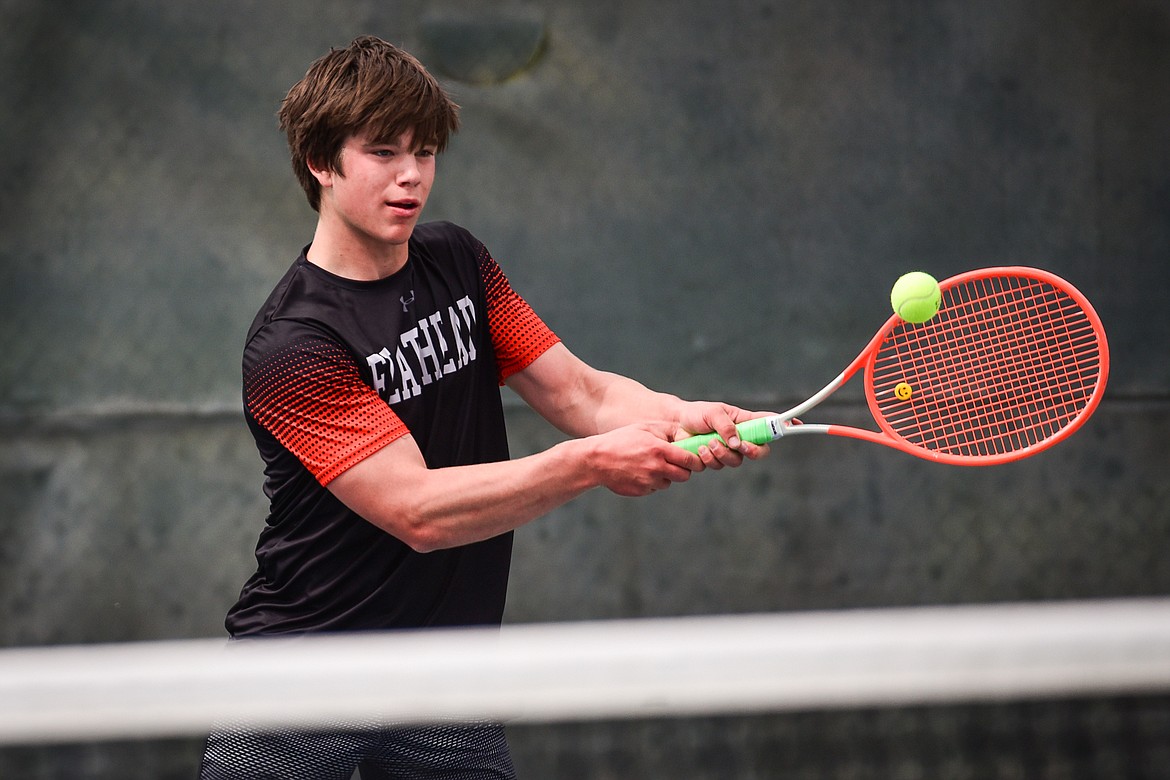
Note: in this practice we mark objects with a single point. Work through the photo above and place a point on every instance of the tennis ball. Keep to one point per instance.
(916, 297)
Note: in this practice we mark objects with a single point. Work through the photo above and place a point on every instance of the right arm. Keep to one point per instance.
(307, 392)
(431, 509)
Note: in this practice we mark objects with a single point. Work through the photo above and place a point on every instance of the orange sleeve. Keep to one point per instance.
(519, 335)
(310, 396)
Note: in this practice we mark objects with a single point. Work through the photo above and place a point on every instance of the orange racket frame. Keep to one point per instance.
(1014, 362)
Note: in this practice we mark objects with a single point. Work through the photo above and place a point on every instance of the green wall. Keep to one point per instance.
(712, 197)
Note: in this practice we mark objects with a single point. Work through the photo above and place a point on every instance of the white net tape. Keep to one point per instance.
(579, 671)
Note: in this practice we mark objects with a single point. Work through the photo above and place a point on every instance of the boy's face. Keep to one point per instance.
(380, 190)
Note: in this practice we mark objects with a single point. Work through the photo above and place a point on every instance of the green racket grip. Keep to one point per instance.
(762, 430)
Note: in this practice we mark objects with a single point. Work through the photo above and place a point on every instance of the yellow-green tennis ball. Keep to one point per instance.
(916, 297)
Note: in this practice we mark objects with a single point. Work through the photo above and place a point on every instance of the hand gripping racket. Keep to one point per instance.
(1014, 362)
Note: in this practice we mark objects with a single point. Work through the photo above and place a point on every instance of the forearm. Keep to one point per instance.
(617, 400)
(464, 504)
(431, 509)
(583, 401)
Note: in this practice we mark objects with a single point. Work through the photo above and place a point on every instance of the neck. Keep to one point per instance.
(349, 257)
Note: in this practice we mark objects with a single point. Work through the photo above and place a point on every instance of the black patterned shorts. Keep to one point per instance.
(439, 752)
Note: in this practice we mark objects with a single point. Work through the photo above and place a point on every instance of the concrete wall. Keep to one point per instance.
(713, 197)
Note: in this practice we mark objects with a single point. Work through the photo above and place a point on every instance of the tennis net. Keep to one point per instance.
(548, 673)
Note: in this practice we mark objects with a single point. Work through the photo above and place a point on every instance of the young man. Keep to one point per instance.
(371, 385)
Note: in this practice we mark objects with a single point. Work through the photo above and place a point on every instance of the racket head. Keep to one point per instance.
(1015, 361)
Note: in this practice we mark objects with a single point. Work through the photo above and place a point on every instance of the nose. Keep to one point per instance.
(409, 174)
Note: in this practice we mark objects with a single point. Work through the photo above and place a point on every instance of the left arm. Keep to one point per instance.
(583, 401)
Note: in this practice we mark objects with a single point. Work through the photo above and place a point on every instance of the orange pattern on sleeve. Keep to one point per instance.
(519, 335)
(311, 397)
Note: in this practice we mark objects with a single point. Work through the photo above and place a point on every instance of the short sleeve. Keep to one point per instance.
(309, 395)
(518, 334)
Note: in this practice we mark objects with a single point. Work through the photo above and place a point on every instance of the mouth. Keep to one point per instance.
(406, 206)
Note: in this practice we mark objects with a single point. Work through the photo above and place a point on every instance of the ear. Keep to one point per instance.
(322, 173)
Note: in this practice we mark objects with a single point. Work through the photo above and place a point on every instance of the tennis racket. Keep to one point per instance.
(1015, 361)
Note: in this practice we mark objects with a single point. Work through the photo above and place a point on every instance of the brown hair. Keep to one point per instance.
(370, 87)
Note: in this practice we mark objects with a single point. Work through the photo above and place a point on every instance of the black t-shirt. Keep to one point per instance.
(335, 369)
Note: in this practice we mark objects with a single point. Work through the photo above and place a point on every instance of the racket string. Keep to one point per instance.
(1007, 363)
(992, 388)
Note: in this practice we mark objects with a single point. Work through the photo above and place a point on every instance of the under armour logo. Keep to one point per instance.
(407, 301)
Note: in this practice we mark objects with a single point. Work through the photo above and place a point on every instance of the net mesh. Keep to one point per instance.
(1012, 362)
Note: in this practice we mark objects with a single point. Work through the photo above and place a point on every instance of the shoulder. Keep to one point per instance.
(290, 314)
(446, 239)
(291, 343)
(285, 293)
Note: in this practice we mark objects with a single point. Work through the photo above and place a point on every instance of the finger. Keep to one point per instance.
(739, 445)
(725, 427)
(708, 458)
(755, 451)
(729, 457)
(674, 475)
(656, 484)
(722, 455)
(677, 457)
